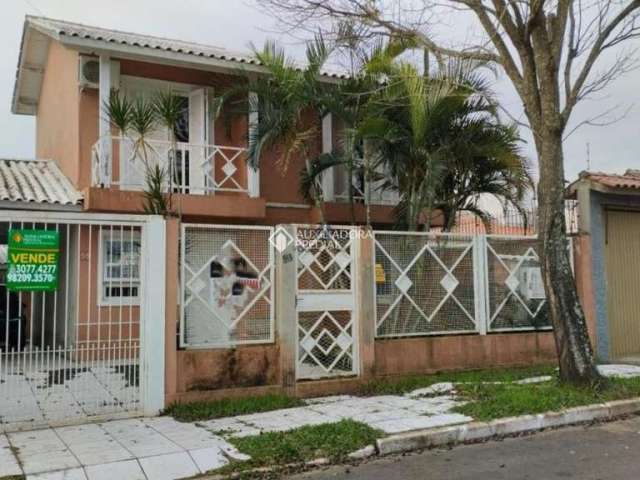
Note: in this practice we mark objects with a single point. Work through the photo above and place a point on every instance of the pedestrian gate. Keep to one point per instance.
(326, 323)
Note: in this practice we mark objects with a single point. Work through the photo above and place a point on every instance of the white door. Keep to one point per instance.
(198, 140)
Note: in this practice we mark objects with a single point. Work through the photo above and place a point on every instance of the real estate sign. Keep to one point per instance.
(33, 260)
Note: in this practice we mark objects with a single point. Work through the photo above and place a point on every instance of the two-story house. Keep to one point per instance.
(65, 74)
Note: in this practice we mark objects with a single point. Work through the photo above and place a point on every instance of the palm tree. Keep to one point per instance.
(486, 161)
(291, 107)
(441, 140)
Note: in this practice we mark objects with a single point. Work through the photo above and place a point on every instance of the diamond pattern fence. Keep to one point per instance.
(429, 284)
(324, 258)
(227, 285)
(516, 298)
(424, 284)
(326, 344)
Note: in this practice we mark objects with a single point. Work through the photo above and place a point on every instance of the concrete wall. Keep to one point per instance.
(254, 370)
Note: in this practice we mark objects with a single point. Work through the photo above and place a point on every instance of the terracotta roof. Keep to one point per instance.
(59, 28)
(630, 179)
(36, 181)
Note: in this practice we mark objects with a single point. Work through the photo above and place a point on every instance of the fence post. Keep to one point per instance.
(153, 319)
(365, 308)
(284, 243)
(172, 319)
(480, 287)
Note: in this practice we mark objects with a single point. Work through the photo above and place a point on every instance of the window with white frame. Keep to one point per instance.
(120, 267)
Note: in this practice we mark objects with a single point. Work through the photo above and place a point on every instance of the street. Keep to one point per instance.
(602, 452)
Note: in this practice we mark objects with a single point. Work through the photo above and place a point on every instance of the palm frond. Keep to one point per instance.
(118, 110)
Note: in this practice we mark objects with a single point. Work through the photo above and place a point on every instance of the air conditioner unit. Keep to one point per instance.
(89, 72)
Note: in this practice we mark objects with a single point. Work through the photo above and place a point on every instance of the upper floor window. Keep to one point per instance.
(120, 270)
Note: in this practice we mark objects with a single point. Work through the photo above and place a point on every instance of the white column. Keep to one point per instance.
(327, 147)
(153, 314)
(104, 127)
(481, 284)
(253, 174)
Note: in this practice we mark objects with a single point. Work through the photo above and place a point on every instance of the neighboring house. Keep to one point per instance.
(609, 260)
(66, 71)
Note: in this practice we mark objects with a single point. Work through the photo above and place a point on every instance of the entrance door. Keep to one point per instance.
(622, 255)
(326, 324)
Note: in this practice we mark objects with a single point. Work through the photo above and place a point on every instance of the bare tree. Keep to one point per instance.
(549, 50)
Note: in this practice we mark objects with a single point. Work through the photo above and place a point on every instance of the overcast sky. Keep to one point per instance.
(234, 24)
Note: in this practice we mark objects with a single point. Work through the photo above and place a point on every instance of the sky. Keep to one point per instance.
(235, 24)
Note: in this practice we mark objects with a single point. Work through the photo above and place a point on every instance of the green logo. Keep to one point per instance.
(33, 260)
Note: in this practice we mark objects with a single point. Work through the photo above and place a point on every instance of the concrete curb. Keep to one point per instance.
(476, 431)
(467, 433)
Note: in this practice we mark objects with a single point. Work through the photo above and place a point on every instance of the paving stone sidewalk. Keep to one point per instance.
(163, 449)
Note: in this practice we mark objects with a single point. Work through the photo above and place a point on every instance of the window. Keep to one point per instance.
(120, 270)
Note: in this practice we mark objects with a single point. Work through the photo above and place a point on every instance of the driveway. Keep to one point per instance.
(601, 452)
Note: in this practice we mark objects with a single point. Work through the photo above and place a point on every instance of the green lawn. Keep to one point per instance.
(333, 441)
(488, 402)
(229, 407)
(402, 385)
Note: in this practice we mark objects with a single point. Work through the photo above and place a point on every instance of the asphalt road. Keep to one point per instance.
(603, 452)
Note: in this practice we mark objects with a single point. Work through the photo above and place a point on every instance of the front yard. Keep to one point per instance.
(277, 430)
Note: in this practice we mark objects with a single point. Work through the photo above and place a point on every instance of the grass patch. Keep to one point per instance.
(402, 385)
(228, 407)
(333, 440)
(488, 402)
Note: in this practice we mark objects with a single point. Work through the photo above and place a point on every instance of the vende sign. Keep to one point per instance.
(33, 260)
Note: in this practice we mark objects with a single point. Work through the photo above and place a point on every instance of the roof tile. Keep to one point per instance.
(61, 27)
(39, 181)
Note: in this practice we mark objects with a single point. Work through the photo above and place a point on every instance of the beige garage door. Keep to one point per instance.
(622, 254)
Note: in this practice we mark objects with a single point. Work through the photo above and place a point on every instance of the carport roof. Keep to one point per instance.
(36, 184)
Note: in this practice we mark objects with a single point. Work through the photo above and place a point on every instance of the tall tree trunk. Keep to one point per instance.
(575, 355)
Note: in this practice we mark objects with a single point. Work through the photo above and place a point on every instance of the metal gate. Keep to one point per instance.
(326, 320)
(77, 352)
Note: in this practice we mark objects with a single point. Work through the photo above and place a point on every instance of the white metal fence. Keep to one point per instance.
(226, 285)
(77, 352)
(429, 284)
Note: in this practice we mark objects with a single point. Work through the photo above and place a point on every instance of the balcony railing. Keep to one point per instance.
(188, 168)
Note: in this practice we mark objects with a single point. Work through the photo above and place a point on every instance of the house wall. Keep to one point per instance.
(280, 200)
(58, 117)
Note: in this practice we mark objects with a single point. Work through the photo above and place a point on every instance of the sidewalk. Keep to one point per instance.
(162, 448)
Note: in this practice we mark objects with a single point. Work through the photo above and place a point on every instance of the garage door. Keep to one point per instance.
(622, 254)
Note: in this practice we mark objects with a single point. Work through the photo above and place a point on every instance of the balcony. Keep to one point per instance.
(204, 180)
(123, 163)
